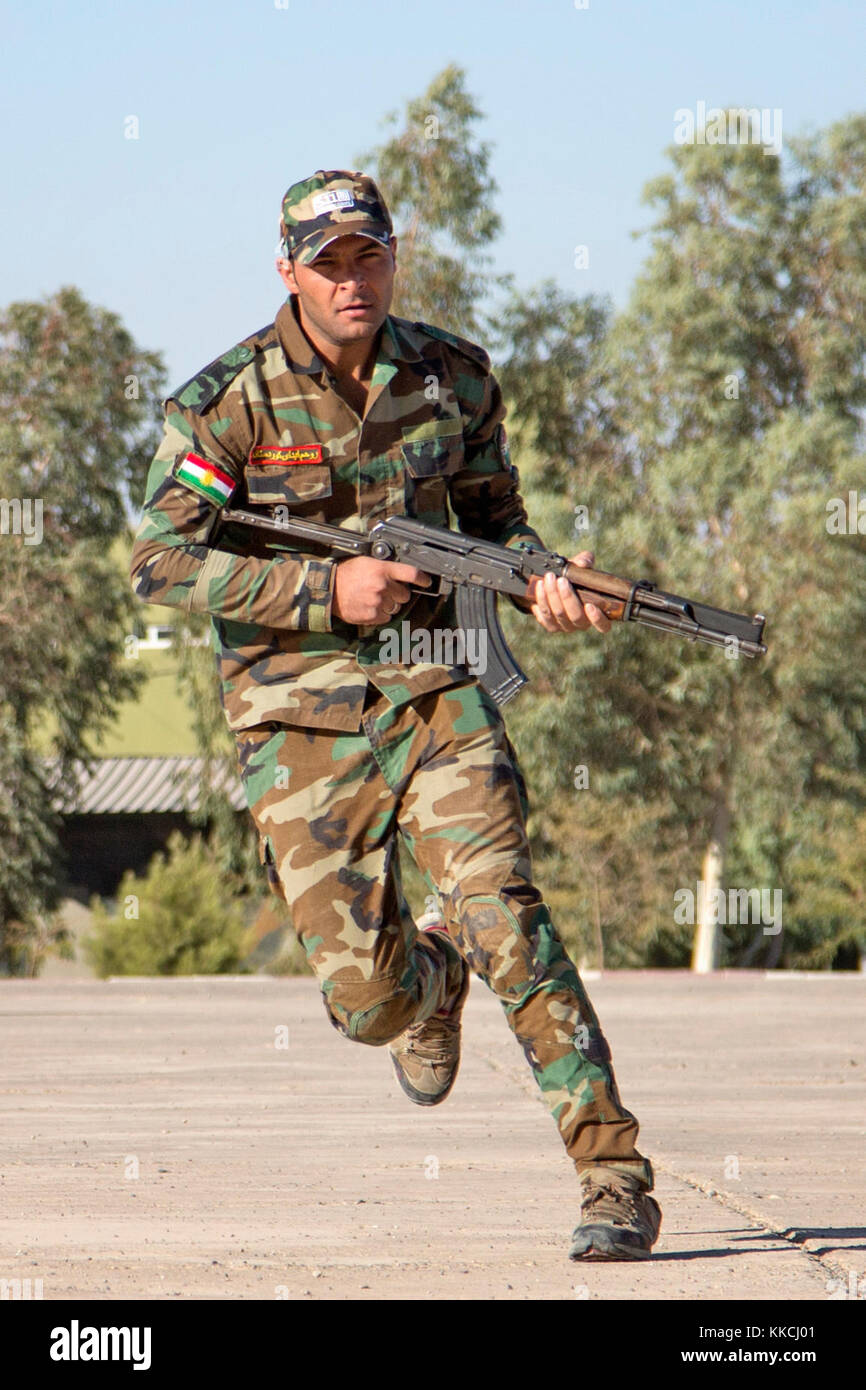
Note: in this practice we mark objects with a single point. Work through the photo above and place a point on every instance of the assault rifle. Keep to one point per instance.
(476, 571)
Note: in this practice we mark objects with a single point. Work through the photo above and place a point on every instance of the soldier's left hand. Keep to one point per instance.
(556, 606)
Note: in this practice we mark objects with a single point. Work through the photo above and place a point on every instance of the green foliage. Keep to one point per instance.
(233, 839)
(179, 919)
(291, 959)
(28, 836)
(705, 430)
(551, 366)
(78, 401)
(435, 177)
(825, 889)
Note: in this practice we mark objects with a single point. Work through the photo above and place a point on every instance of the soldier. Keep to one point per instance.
(343, 413)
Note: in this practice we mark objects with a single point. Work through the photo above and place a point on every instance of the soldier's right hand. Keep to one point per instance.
(368, 591)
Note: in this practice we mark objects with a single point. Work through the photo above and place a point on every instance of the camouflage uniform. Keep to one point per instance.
(340, 749)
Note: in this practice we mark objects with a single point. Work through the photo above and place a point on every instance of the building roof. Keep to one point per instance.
(134, 785)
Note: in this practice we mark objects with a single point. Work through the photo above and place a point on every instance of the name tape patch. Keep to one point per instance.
(282, 454)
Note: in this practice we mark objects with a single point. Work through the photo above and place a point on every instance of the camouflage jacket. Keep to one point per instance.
(264, 427)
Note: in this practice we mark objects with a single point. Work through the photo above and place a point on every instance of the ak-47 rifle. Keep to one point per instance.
(478, 570)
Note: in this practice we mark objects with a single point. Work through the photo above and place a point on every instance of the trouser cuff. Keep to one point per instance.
(639, 1168)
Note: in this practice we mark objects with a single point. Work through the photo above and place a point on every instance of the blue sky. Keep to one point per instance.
(236, 99)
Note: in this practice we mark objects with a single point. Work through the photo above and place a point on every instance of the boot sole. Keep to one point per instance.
(593, 1256)
(417, 1096)
(602, 1244)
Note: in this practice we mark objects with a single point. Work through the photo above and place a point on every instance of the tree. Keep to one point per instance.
(719, 416)
(603, 836)
(176, 920)
(828, 873)
(76, 425)
(743, 435)
(435, 178)
(233, 840)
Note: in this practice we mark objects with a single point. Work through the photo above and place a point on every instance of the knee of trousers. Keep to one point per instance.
(510, 941)
(499, 930)
(368, 1011)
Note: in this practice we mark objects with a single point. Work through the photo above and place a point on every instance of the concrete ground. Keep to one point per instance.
(218, 1139)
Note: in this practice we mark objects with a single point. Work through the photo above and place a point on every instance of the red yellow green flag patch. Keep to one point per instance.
(205, 477)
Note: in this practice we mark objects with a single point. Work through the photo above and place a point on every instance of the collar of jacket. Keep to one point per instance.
(395, 342)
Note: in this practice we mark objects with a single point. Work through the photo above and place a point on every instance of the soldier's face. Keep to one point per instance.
(345, 294)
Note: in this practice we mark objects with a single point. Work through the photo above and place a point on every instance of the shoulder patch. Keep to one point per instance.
(463, 345)
(204, 477)
(207, 384)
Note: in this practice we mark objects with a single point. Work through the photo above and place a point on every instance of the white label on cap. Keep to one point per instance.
(333, 201)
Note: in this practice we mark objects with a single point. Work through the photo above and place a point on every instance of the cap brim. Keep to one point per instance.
(311, 246)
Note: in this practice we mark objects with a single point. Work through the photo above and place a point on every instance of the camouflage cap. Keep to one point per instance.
(327, 205)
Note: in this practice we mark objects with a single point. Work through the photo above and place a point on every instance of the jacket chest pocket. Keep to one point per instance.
(430, 464)
(288, 483)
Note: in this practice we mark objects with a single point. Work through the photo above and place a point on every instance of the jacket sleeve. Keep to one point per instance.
(173, 560)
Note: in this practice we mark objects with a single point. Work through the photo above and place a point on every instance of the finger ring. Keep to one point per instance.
(394, 609)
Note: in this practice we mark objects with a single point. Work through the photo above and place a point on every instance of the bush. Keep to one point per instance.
(179, 919)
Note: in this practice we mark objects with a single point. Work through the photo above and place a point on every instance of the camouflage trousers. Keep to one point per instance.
(442, 772)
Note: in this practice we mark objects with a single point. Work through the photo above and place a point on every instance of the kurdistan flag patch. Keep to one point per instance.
(205, 477)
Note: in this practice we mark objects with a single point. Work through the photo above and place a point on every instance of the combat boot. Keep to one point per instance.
(619, 1220)
(426, 1056)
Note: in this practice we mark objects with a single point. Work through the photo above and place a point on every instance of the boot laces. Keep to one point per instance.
(434, 1039)
(610, 1201)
